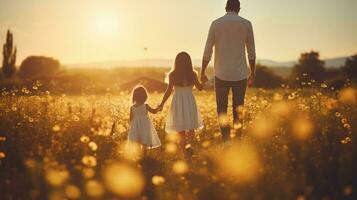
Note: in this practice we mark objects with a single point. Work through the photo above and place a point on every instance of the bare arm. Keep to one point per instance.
(167, 94)
(151, 110)
(131, 114)
(252, 66)
(250, 43)
(198, 84)
(203, 71)
(207, 55)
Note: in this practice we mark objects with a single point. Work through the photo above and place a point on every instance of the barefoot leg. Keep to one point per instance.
(190, 136)
(144, 149)
(182, 139)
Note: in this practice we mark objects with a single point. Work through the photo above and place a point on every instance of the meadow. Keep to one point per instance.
(298, 144)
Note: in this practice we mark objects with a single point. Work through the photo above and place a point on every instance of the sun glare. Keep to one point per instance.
(105, 23)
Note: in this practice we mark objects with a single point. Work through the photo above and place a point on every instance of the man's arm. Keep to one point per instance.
(252, 73)
(207, 55)
(203, 71)
(251, 53)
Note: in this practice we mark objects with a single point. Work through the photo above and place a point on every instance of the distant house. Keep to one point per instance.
(150, 84)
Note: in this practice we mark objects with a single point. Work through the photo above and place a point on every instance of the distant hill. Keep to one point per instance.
(150, 84)
(272, 63)
(335, 62)
(330, 63)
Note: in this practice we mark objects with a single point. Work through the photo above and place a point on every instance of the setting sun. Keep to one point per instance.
(105, 23)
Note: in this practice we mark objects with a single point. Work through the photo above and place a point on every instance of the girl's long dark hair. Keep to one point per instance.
(182, 73)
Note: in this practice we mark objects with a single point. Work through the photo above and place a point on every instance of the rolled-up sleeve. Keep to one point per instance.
(250, 43)
(207, 55)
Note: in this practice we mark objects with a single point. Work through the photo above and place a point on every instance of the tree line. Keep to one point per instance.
(32, 67)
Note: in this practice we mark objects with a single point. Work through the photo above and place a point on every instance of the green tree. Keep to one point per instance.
(9, 56)
(309, 68)
(350, 67)
(266, 78)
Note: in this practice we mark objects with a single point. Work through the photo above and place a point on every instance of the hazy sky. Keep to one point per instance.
(95, 30)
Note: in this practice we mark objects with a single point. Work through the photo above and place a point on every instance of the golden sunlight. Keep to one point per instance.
(105, 23)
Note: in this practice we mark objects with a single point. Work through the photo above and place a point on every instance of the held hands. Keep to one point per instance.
(251, 80)
(159, 107)
(204, 78)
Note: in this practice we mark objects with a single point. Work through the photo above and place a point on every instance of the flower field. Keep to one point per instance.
(297, 144)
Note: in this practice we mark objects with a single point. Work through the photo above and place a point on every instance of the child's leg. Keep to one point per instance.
(190, 136)
(182, 139)
(144, 148)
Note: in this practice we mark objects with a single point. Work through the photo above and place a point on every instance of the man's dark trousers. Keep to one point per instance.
(222, 89)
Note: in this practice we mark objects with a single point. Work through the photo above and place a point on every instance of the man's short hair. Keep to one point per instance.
(233, 5)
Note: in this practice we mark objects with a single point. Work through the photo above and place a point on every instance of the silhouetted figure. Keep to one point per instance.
(230, 35)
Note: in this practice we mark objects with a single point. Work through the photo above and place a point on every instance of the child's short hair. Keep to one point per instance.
(140, 94)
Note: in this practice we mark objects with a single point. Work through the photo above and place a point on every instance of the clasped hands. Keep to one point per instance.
(159, 108)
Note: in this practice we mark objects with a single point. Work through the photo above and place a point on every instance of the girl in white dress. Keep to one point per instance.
(184, 116)
(142, 130)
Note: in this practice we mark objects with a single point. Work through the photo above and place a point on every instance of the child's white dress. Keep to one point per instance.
(142, 129)
(183, 114)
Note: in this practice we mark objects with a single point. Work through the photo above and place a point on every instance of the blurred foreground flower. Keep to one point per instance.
(123, 180)
(302, 127)
(263, 127)
(281, 108)
(56, 128)
(94, 189)
(2, 155)
(56, 177)
(240, 162)
(88, 172)
(172, 137)
(130, 150)
(158, 180)
(93, 146)
(89, 161)
(84, 139)
(180, 167)
(72, 191)
(348, 95)
(171, 148)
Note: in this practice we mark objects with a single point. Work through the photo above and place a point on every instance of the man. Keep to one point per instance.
(232, 38)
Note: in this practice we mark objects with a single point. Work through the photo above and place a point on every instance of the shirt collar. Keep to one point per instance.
(231, 13)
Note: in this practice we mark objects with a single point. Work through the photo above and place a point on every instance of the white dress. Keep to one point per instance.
(142, 129)
(184, 114)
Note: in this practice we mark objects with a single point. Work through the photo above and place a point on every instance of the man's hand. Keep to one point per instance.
(204, 78)
(252, 72)
(251, 80)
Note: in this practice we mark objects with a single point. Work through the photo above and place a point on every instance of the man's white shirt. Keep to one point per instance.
(233, 41)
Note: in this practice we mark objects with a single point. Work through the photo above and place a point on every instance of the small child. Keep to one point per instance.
(142, 130)
(184, 116)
